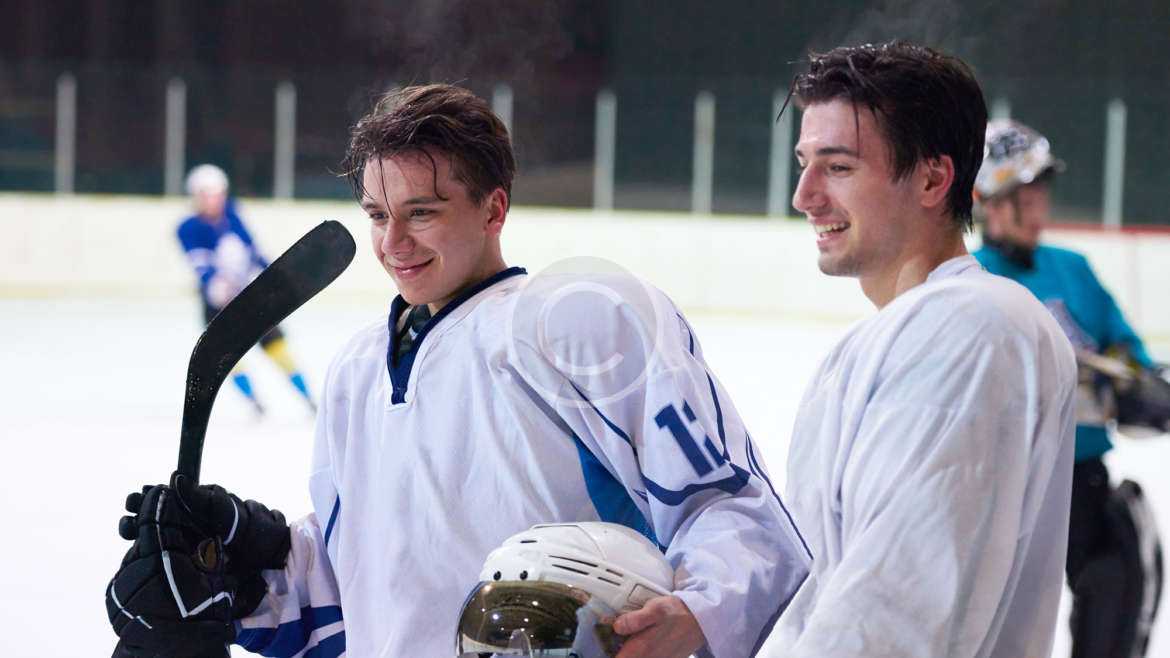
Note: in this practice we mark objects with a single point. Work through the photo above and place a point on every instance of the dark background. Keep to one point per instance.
(1059, 62)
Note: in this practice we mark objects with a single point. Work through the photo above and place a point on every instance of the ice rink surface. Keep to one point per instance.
(92, 398)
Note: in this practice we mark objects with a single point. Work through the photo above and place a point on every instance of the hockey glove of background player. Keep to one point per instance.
(180, 588)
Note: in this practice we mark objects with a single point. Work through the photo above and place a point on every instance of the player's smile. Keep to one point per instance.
(829, 232)
(411, 271)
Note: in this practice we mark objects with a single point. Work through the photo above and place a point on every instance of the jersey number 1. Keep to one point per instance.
(669, 420)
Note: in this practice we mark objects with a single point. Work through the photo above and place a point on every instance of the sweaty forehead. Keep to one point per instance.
(410, 174)
(839, 126)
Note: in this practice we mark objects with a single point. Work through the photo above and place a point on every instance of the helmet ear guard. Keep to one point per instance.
(554, 590)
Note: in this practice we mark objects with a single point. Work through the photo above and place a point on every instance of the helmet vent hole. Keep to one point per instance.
(496, 576)
(561, 566)
(523, 575)
(616, 573)
(527, 541)
(592, 565)
(607, 580)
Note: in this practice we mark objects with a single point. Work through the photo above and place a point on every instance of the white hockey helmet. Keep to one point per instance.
(1013, 155)
(206, 177)
(553, 590)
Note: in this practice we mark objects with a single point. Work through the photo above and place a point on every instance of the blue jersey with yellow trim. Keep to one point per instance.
(222, 248)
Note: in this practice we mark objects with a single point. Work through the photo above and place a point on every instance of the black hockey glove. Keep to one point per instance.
(253, 536)
(194, 568)
(168, 599)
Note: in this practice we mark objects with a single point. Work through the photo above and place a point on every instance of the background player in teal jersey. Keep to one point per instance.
(1115, 583)
(225, 259)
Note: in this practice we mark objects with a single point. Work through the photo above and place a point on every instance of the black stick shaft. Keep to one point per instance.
(308, 266)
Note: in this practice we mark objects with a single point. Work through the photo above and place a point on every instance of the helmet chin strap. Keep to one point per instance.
(1016, 253)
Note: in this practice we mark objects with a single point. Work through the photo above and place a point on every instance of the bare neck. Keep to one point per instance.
(912, 269)
(493, 264)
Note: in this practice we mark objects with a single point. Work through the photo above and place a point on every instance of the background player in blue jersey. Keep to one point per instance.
(225, 259)
(485, 402)
(1115, 587)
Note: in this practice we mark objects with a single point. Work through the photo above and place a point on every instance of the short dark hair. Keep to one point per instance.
(927, 104)
(443, 117)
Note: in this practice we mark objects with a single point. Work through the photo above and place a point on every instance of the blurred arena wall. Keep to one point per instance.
(118, 246)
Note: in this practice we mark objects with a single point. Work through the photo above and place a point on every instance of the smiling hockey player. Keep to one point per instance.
(487, 402)
(930, 459)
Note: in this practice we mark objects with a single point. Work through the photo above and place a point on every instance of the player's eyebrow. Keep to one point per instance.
(422, 199)
(370, 204)
(831, 150)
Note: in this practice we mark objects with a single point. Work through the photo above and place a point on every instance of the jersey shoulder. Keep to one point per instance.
(192, 226)
(966, 325)
(368, 345)
(596, 309)
(981, 305)
(596, 333)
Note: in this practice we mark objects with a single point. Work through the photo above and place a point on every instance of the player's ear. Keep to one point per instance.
(496, 207)
(938, 174)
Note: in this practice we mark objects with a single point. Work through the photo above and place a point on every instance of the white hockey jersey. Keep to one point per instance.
(930, 471)
(524, 402)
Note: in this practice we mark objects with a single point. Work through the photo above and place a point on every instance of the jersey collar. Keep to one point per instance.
(400, 370)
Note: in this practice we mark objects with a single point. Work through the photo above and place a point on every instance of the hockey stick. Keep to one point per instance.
(290, 281)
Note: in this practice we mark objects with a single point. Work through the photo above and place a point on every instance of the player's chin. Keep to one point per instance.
(414, 296)
(834, 265)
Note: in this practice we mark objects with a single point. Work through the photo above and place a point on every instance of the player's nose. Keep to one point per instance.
(397, 238)
(808, 195)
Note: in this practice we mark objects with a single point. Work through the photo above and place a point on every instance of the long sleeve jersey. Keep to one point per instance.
(524, 402)
(930, 471)
(1064, 281)
(222, 249)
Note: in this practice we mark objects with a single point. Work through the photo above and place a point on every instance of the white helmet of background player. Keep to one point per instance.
(208, 186)
(1013, 155)
(206, 178)
(554, 590)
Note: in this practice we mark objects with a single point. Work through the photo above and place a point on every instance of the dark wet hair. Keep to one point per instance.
(927, 104)
(439, 117)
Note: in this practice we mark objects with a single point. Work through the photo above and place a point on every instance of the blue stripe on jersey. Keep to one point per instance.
(617, 430)
(754, 464)
(332, 518)
(609, 497)
(331, 647)
(289, 638)
(690, 335)
(731, 484)
(718, 417)
(399, 368)
(767, 629)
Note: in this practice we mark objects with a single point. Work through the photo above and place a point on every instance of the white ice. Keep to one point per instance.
(92, 398)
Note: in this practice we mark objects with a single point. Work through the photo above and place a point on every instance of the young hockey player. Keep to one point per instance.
(1115, 582)
(932, 451)
(225, 260)
(485, 403)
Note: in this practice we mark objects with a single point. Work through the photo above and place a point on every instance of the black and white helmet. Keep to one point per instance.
(1013, 155)
(553, 590)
